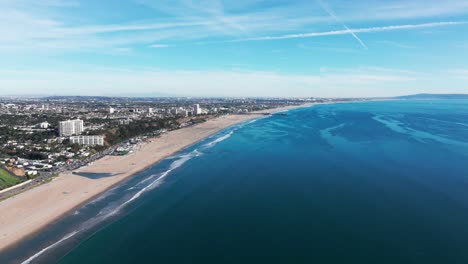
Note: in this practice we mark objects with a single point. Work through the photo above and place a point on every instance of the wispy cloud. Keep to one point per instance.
(354, 30)
(333, 15)
(159, 46)
(350, 82)
(327, 47)
(395, 44)
(42, 26)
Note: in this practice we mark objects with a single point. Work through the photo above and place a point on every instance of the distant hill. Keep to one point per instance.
(433, 96)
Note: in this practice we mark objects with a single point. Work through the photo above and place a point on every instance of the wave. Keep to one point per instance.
(113, 209)
(216, 141)
(147, 179)
(180, 159)
(280, 111)
(174, 165)
(33, 257)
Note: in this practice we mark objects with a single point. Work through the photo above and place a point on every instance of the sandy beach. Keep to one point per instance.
(28, 212)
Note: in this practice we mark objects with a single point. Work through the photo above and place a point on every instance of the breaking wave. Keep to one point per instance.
(217, 140)
(33, 257)
(147, 184)
(115, 207)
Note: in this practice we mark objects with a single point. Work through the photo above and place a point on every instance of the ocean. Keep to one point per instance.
(366, 182)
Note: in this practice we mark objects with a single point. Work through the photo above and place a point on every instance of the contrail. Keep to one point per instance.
(332, 14)
(354, 30)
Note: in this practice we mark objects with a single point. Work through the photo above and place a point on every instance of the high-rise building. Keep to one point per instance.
(196, 109)
(88, 140)
(70, 127)
(111, 110)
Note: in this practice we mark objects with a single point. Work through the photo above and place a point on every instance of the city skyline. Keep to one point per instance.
(219, 48)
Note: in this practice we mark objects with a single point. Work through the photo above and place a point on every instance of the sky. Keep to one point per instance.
(247, 48)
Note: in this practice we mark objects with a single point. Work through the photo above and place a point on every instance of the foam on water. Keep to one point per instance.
(29, 260)
(419, 135)
(147, 184)
(217, 140)
(114, 208)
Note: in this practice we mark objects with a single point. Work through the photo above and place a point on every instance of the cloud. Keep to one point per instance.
(54, 26)
(332, 14)
(158, 46)
(357, 30)
(395, 44)
(234, 83)
(403, 9)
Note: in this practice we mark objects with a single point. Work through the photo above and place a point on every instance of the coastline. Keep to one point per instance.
(30, 211)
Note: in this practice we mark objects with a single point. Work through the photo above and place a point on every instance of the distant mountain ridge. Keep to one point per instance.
(434, 96)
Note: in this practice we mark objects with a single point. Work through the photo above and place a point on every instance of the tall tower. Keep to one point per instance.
(197, 109)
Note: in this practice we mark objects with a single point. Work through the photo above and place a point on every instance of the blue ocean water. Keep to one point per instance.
(368, 182)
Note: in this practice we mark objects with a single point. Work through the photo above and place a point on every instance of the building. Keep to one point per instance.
(111, 110)
(183, 113)
(197, 110)
(122, 121)
(88, 140)
(43, 125)
(70, 127)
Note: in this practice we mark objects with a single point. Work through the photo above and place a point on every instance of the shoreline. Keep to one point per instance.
(30, 211)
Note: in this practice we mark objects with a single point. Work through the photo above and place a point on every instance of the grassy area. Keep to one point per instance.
(7, 180)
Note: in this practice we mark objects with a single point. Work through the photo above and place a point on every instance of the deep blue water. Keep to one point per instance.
(372, 182)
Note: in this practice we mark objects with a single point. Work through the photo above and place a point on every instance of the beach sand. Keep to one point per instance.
(28, 212)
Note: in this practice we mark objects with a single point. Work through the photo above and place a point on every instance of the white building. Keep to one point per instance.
(70, 127)
(88, 140)
(111, 110)
(43, 125)
(197, 110)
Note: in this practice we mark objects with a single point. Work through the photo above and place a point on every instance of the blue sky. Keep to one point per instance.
(326, 48)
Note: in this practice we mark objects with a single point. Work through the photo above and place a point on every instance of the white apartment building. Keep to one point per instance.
(88, 140)
(197, 110)
(70, 127)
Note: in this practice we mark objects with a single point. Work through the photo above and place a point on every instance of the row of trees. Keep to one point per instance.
(8, 133)
(115, 135)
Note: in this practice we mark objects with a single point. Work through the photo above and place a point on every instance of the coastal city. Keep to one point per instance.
(217, 131)
(42, 137)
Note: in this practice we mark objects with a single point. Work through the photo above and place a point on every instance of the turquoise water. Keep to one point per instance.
(373, 182)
